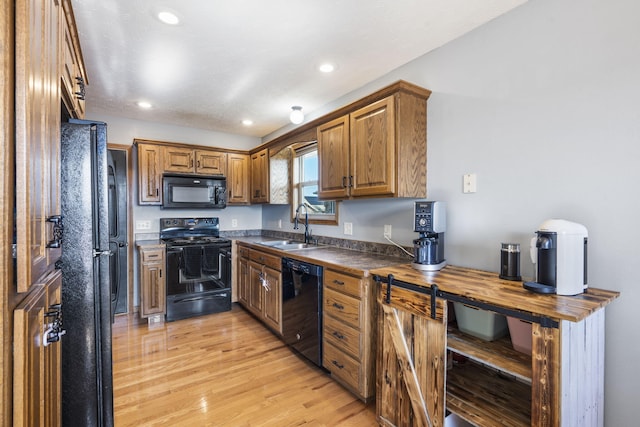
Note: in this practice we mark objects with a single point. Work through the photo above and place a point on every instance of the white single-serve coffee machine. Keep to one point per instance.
(560, 254)
(430, 221)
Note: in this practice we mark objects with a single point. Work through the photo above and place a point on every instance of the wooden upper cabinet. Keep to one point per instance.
(149, 174)
(72, 72)
(372, 144)
(260, 176)
(333, 159)
(37, 136)
(211, 162)
(237, 178)
(178, 159)
(379, 150)
(186, 160)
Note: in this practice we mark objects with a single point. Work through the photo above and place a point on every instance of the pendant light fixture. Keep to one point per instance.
(296, 116)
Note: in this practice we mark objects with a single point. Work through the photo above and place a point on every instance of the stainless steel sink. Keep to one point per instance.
(288, 245)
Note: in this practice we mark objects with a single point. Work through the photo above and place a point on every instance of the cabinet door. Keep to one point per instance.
(28, 362)
(211, 162)
(37, 141)
(238, 179)
(37, 360)
(243, 281)
(256, 292)
(411, 361)
(150, 174)
(152, 289)
(71, 74)
(333, 159)
(273, 299)
(372, 142)
(178, 160)
(260, 177)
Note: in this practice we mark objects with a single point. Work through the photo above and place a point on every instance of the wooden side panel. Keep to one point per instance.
(545, 391)
(411, 142)
(582, 376)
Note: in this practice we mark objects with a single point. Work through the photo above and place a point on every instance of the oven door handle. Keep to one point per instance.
(201, 298)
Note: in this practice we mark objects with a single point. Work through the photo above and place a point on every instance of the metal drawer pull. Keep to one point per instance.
(338, 306)
(338, 335)
(335, 362)
(338, 282)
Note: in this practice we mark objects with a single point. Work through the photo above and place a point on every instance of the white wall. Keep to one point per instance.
(542, 104)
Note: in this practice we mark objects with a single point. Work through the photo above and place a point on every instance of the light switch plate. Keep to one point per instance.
(469, 183)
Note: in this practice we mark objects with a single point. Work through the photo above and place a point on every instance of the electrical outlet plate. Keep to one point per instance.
(348, 228)
(143, 225)
(469, 183)
(387, 231)
(234, 222)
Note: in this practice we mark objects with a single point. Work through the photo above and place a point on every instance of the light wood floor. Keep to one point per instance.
(224, 369)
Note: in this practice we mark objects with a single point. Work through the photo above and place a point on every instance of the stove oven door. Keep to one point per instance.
(194, 287)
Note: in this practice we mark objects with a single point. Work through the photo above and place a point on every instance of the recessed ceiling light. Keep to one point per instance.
(247, 122)
(327, 68)
(169, 18)
(144, 104)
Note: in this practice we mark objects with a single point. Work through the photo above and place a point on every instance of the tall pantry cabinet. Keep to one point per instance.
(38, 39)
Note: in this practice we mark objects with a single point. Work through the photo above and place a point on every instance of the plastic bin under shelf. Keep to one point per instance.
(482, 324)
(520, 331)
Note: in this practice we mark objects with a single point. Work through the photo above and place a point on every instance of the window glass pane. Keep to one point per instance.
(310, 166)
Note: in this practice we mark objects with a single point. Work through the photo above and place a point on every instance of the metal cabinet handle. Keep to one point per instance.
(338, 306)
(338, 282)
(335, 362)
(338, 335)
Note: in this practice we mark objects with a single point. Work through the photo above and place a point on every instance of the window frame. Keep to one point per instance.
(300, 150)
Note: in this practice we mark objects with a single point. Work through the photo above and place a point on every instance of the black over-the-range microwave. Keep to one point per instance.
(194, 191)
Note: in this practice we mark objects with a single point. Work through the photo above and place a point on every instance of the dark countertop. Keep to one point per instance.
(356, 262)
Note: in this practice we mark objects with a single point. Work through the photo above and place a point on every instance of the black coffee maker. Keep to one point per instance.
(430, 222)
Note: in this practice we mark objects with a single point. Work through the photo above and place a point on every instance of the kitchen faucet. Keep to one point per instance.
(307, 234)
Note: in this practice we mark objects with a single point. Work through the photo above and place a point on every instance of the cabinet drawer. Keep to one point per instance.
(243, 252)
(152, 255)
(342, 307)
(272, 261)
(342, 366)
(342, 336)
(344, 283)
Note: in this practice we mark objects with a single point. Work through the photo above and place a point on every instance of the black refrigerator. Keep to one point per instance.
(87, 380)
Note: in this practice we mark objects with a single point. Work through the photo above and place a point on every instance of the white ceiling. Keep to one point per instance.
(253, 59)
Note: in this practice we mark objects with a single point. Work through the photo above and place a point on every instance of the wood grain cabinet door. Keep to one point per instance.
(273, 299)
(333, 159)
(153, 291)
(238, 179)
(37, 359)
(411, 361)
(260, 176)
(37, 116)
(373, 149)
(211, 162)
(178, 159)
(150, 174)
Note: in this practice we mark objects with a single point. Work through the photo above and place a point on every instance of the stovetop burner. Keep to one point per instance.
(191, 231)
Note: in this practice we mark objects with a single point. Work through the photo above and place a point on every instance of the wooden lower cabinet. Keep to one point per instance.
(260, 286)
(153, 291)
(487, 383)
(37, 356)
(348, 331)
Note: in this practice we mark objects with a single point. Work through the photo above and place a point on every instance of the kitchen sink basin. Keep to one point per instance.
(288, 245)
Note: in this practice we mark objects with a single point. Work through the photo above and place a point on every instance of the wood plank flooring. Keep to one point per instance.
(224, 369)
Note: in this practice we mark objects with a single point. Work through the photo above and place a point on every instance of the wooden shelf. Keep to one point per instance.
(497, 354)
(486, 397)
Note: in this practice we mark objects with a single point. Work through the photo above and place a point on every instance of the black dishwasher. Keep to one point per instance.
(302, 308)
